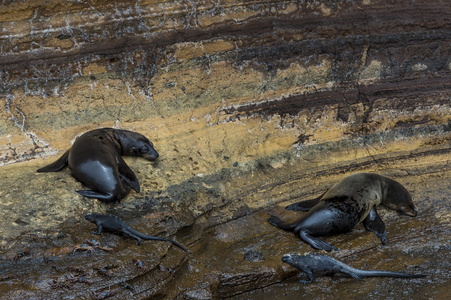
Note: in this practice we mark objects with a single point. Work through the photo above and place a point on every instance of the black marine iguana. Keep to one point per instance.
(317, 262)
(114, 223)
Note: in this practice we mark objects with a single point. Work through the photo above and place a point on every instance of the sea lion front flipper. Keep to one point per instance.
(305, 205)
(127, 175)
(375, 224)
(316, 242)
(93, 194)
(59, 164)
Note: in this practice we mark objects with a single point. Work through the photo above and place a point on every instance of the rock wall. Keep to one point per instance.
(249, 103)
(225, 80)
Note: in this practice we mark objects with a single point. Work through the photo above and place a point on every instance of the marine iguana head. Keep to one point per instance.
(286, 258)
(296, 259)
(92, 217)
(136, 144)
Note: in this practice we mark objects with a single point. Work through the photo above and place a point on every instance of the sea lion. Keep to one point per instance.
(347, 203)
(95, 160)
(322, 263)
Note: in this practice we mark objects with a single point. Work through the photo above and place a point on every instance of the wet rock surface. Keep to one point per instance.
(253, 105)
(222, 220)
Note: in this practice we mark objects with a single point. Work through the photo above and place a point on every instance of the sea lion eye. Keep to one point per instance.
(144, 150)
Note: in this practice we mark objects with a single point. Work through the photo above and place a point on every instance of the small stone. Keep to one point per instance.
(253, 255)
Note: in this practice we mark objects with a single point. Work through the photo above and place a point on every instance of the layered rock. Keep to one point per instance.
(249, 103)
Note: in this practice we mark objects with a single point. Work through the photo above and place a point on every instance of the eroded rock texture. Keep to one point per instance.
(251, 104)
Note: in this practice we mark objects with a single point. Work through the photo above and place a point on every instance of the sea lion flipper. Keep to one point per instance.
(275, 221)
(316, 242)
(59, 164)
(93, 194)
(127, 175)
(375, 224)
(304, 205)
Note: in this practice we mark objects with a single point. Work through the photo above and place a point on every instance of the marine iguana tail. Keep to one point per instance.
(114, 223)
(317, 262)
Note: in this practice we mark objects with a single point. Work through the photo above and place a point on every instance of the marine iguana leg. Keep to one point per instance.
(305, 205)
(275, 221)
(93, 194)
(315, 242)
(127, 175)
(99, 228)
(352, 274)
(309, 274)
(59, 164)
(129, 233)
(375, 224)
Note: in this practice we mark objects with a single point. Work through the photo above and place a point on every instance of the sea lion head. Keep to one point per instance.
(136, 144)
(398, 197)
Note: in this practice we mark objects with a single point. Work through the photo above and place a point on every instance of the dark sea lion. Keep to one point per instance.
(95, 159)
(322, 263)
(347, 203)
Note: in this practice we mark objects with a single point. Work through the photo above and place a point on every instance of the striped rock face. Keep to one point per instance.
(228, 81)
(250, 104)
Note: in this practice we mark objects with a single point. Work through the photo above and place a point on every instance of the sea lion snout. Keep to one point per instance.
(151, 155)
(412, 212)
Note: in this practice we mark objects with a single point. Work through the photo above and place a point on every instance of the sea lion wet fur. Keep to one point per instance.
(350, 201)
(95, 160)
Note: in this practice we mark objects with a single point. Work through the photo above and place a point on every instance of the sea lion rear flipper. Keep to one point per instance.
(375, 224)
(316, 242)
(305, 205)
(59, 164)
(93, 194)
(275, 221)
(127, 175)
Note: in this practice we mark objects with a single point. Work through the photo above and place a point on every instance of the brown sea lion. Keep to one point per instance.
(352, 200)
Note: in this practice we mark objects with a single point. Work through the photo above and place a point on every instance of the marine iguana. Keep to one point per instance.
(114, 223)
(316, 263)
